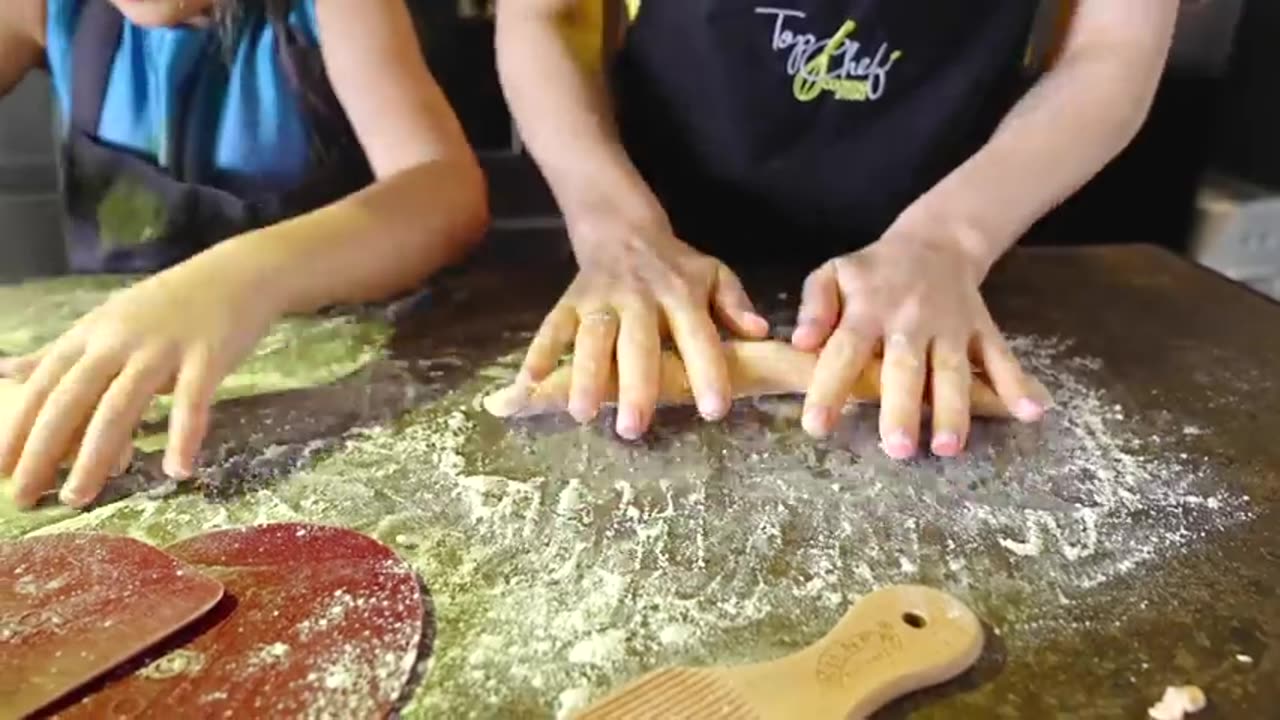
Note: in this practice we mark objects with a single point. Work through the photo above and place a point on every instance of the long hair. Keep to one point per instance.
(230, 17)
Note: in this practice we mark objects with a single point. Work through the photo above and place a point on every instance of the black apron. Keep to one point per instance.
(126, 214)
(800, 129)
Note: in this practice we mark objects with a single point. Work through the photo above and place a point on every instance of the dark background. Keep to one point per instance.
(1217, 111)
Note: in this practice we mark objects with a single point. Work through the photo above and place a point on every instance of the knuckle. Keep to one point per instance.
(950, 363)
(903, 363)
(855, 325)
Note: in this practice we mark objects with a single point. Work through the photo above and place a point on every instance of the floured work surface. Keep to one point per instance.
(1125, 545)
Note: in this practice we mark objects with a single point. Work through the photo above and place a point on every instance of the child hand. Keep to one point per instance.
(181, 330)
(633, 286)
(918, 298)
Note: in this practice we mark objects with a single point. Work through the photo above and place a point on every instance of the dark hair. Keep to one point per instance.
(229, 16)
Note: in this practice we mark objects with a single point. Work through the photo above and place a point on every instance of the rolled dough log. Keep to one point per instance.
(756, 368)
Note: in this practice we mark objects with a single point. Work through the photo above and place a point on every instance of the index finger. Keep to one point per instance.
(193, 396)
(553, 338)
(839, 365)
(109, 434)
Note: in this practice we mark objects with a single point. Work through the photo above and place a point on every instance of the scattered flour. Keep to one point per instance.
(562, 561)
(178, 662)
(1177, 703)
(602, 648)
(267, 656)
(571, 560)
(571, 701)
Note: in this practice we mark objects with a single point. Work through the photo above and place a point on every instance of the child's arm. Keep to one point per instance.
(1077, 117)
(917, 286)
(634, 276)
(428, 204)
(21, 40)
(188, 326)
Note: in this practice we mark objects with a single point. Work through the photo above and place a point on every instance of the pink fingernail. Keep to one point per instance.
(899, 445)
(581, 412)
(946, 444)
(72, 496)
(1028, 410)
(629, 424)
(175, 469)
(712, 408)
(817, 421)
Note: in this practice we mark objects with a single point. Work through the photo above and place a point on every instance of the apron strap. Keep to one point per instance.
(93, 49)
(198, 118)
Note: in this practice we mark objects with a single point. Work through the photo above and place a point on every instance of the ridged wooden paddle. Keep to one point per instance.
(895, 641)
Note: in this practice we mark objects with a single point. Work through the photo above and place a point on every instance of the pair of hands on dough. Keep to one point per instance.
(84, 394)
(909, 305)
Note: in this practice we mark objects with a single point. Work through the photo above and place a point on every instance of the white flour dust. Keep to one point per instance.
(562, 561)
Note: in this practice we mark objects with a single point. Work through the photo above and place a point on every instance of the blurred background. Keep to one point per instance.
(1202, 178)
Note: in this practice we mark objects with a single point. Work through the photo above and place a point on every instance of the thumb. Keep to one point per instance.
(733, 307)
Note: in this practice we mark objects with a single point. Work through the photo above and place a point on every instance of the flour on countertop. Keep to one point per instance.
(562, 561)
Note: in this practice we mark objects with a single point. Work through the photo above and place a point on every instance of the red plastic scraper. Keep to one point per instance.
(316, 622)
(74, 606)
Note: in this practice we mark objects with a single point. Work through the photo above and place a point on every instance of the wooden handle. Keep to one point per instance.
(893, 642)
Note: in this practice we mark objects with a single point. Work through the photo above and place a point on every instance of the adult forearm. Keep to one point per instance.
(1057, 137)
(368, 246)
(565, 118)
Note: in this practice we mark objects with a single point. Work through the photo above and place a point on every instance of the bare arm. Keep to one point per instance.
(428, 204)
(636, 280)
(188, 326)
(21, 40)
(1074, 121)
(565, 116)
(916, 290)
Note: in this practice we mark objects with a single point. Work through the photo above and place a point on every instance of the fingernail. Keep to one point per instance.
(946, 444)
(712, 408)
(758, 322)
(899, 445)
(817, 421)
(629, 423)
(71, 495)
(1028, 410)
(581, 412)
(176, 470)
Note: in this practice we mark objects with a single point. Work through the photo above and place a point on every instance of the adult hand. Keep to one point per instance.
(634, 285)
(917, 297)
(181, 330)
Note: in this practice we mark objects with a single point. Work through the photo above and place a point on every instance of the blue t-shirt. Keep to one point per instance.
(261, 129)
